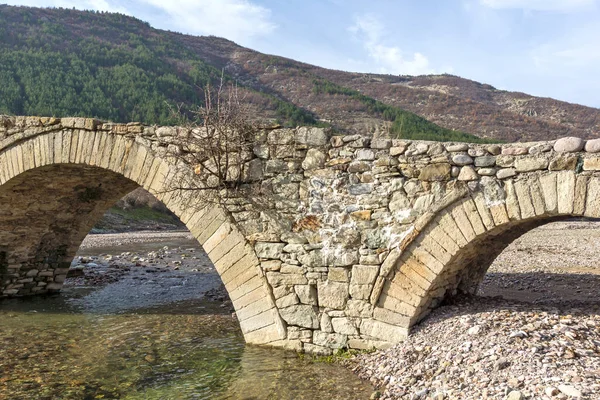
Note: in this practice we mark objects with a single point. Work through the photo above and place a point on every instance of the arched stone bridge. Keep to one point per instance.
(361, 240)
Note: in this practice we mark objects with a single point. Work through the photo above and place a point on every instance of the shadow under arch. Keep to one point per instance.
(55, 186)
(452, 253)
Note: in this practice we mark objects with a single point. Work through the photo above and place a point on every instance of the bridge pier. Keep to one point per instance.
(359, 240)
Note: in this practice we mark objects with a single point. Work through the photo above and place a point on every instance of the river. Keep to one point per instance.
(117, 340)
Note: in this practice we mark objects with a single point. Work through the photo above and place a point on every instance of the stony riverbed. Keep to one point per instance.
(539, 340)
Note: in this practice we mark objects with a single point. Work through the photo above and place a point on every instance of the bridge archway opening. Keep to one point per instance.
(48, 211)
(553, 264)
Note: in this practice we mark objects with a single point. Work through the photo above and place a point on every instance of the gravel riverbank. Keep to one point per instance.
(540, 340)
(142, 269)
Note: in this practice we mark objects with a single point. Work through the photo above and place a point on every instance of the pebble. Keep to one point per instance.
(569, 390)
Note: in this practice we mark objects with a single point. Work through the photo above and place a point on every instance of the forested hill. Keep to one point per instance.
(73, 63)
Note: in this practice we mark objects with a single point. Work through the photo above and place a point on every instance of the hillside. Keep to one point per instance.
(66, 62)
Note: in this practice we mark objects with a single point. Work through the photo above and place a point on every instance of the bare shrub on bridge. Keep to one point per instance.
(217, 145)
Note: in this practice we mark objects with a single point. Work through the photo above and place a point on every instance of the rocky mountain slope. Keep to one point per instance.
(117, 67)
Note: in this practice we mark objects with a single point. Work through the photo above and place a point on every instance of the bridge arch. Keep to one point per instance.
(453, 251)
(55, 184)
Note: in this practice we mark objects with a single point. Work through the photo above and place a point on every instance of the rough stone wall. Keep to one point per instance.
(360, 237)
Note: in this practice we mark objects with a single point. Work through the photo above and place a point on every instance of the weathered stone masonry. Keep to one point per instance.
(361, 239)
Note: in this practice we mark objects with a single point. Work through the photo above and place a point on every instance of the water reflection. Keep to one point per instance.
(50, 349)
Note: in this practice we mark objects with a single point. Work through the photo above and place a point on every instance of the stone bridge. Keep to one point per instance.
(362, 237)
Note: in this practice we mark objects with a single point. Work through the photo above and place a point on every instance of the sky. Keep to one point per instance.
(547, 48)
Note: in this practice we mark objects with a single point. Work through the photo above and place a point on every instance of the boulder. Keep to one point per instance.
(569, 145)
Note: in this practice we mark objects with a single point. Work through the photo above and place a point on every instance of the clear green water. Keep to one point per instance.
(192, 350)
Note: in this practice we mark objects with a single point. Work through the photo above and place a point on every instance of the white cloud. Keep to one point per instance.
(238, 20)
(387, 59)
(540, 5)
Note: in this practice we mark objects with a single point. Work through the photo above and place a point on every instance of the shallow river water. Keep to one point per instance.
(54, 348)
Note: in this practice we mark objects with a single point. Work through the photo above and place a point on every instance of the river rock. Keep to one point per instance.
(514, 395)
(569, 145)
(592, 146)
(457, 147)
(462, 159)
(569, 390)
(494, 149)
(467, 173)
(485, 161)
(515, 151)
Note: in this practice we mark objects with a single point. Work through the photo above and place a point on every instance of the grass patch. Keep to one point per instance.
(338, 355)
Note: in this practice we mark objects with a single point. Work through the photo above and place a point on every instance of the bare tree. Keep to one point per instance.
(216, 144)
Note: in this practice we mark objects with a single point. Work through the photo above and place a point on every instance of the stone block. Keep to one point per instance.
(300, 315)
(330, 340)
(529, 164)
(565, 186)
(307, 294)
(364, 274)
(524, 198)
(381, 144)
(454, 148)
(268, 250)
(332, 294)
(360, 292)
(485, 161)
(271, 265)
(563, 162)
(312, 137)
(515, 151)
(343, 326)
(314, 159)
(279, 279)
(287, 301)
(435, 172)
(506, 173)
(381, 330)
(592, 203)
(548, 184)
(359, 166)
(580, 194)
(591, 164)
(338, 274)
